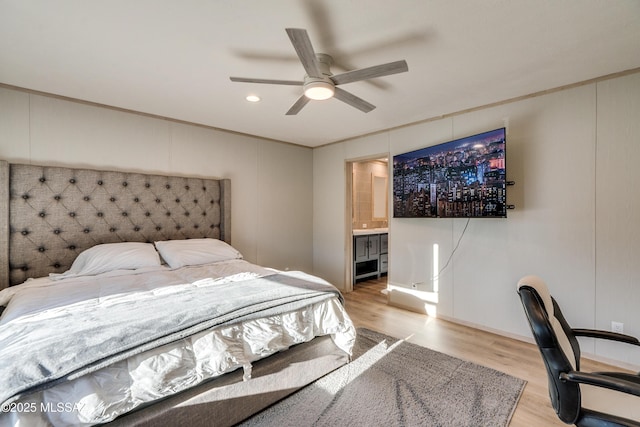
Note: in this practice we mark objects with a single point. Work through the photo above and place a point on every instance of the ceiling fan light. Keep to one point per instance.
(318, 90)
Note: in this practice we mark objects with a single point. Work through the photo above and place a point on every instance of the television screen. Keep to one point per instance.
(464, 178)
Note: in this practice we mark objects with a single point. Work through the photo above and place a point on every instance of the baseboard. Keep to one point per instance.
(423, 301)
(585, 355)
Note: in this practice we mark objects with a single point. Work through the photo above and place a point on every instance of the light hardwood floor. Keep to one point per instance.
(368, 308)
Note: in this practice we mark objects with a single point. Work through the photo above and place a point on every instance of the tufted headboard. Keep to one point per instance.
(48, 215)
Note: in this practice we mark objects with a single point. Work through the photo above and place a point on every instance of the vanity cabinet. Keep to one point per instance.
(366, 247)
(369, 255)
(384, 256)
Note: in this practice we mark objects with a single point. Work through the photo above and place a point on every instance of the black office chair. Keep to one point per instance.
(580, 398)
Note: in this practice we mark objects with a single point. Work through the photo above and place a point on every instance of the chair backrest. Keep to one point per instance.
(557, 344)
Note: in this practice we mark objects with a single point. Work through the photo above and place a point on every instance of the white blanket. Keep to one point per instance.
(117, 388)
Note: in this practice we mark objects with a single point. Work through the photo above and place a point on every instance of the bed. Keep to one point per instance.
(124, 303)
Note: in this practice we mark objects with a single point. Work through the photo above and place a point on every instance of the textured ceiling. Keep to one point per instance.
(174, 59)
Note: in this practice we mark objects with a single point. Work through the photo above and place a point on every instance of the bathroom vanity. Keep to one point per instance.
(370, 253)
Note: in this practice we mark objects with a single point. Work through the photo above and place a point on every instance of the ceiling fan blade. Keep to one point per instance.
(353, 100)
(304, 49)
(267, 81)
(370, 72)
(295, 108)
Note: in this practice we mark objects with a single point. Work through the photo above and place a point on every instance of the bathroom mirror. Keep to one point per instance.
(379, 198)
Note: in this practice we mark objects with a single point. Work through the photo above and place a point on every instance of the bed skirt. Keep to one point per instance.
(227, 400)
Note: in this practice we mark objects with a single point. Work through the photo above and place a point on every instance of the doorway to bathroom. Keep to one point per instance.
(367, 218)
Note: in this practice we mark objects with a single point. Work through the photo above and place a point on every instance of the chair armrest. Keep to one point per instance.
(613, 336)
(600, 380)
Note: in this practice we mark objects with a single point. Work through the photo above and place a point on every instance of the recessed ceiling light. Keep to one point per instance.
(253, 98)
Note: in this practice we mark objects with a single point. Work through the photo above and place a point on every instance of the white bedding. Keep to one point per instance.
(116, 389)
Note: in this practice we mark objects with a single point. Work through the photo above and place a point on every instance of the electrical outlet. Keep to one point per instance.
(415, 285)
(617, 327)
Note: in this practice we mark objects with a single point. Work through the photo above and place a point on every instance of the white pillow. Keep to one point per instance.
(178, 253)
(114, 256)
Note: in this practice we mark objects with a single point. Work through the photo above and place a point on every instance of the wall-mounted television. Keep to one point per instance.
(464, 178)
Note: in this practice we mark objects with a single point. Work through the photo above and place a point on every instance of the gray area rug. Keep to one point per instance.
(391, 382)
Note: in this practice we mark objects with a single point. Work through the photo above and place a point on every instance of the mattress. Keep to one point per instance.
(120, 386)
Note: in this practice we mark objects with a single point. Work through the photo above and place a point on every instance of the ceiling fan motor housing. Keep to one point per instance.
(321, 87)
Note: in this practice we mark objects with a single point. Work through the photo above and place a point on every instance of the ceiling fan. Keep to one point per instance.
(319, 83)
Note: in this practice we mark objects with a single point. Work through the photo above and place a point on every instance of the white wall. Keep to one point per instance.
(271, 182)
(617, 236)
(573, 156)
